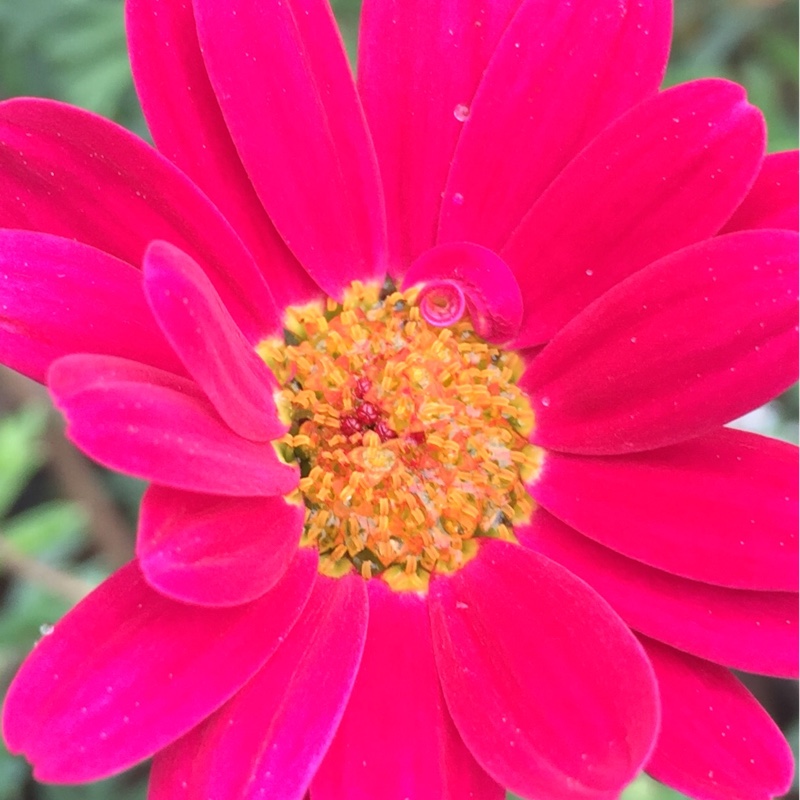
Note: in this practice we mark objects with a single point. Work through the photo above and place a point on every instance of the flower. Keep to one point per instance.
(429, 377)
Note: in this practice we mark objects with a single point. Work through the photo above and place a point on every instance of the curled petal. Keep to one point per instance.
(461, 273)
(511, 634)
(716, 742)
(213, 550)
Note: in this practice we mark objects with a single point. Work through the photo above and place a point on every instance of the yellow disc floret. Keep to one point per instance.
(412, 440)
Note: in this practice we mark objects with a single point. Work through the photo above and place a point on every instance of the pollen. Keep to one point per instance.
(412, 440)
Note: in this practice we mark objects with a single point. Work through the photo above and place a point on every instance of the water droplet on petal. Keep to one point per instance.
(46, 629)
(545, 401)
(458, 199)
(461, 112)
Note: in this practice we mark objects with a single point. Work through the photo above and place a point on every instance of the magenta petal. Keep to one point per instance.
(681, 347)
(51, 154)
(59, 297)
(716, 742)
(128, 671)
(187, 125)
(521, 131)
(667, 174)
(282, 79)
(269, 739)
(490, 288)
(156, 426)
(214, 550)
(419, 64)
(203, 334)
(549, 689)
(720, 509)
(773, 200)
(403, 745)
(751, 631)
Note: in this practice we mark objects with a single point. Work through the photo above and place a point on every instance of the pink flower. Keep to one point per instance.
(535, 580)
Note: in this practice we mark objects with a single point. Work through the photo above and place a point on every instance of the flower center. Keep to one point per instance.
(412, 439)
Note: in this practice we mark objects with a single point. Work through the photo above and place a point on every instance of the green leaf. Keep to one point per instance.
(48, 532)
(20, 451)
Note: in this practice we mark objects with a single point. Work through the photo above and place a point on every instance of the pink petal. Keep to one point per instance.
(716, 742)
(214, 550)
(282, 79)
(74, 174)
(59, 297)
(520, 132)
(78, 709)
(667, 174)
(752, 631)
(269, 739)
(155, 426)
(693, 341)
(720, 509)
(209, 343)
(188, 128)
(419, 64)
(490, 288)
(396, 739)
(773, 200)
(512, 632)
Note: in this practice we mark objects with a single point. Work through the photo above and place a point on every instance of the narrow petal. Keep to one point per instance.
(188, 128)
(725, 507)
(404, 744)
(281, 76)
(511, 635)
(716, 742)
(773, 200)
(79, 712)
(269, 739)
(550, 51)
(129, 195)
(692, 342)
(211, 346)
(155, 426)
(667, 174)
(59, 297)
(213, 550)
(419, 64)
(489, 287)
(751, 631)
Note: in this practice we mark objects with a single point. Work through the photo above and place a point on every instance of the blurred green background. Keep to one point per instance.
(65, 523)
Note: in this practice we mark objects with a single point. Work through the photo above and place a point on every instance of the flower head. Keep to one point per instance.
(429, 376)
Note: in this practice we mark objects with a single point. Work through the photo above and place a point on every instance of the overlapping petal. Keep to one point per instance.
(772, 202)
(419, 64)
(667, 174)
(551, 50)
(268, 740)
(157, 426)
(691, 342)
(62, 297)
(747, 630)
(511, 632)
(396, 739)
(214, 550)
(716, 742)
(211, 346)
(51, 153)
(187, 125)
(299, 130)
(79, 711)
(721, 508)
